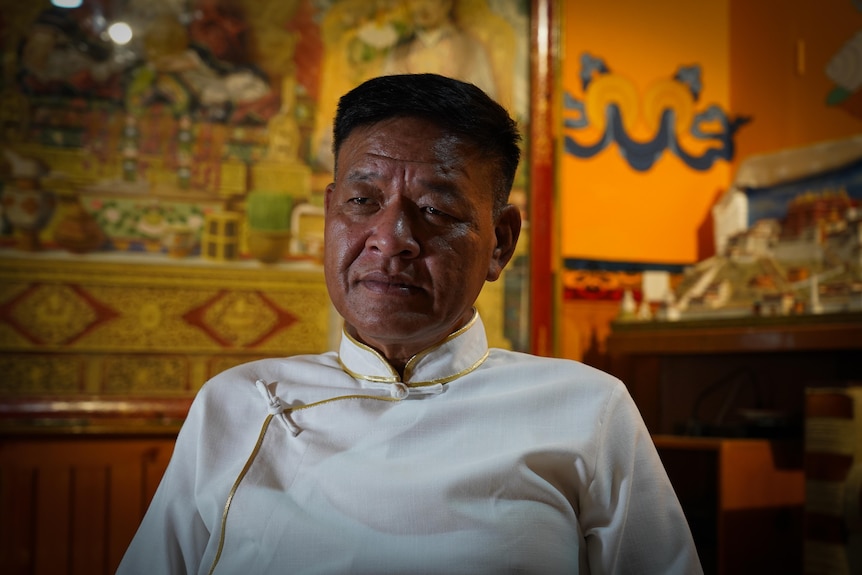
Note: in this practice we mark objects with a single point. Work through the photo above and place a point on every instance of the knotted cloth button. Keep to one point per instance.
(399, 390)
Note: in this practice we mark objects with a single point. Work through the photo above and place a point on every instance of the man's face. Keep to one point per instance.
(410, 235)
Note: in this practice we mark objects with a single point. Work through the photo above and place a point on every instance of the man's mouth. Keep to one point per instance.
(382, 283)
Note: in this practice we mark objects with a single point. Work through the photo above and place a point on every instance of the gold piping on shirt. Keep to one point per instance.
(409, 366)
(233, 489)
(339, 398)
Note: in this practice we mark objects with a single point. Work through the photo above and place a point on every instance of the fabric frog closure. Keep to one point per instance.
(398, 391)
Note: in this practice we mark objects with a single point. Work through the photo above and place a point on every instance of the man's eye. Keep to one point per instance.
(359, 201)
(433, 211)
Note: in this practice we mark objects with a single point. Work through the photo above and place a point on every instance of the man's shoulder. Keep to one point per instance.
(270, 370)
(552, 384)
(556, 372)
(504, 358)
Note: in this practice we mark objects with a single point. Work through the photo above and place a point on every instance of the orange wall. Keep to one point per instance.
(764, 59)
(610, 211)
(779, 50)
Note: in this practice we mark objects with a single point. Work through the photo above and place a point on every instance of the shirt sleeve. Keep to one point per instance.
(172, 536)
(631, 518)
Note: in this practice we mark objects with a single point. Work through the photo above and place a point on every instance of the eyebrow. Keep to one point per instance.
(441, 186)
(360, 175)
(441, 181)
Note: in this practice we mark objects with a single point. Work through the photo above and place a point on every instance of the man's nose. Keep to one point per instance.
(392, 232)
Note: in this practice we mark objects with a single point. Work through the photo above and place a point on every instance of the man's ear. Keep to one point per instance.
(506, 230)
(327, 195)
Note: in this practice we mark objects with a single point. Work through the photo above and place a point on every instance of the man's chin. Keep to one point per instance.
(393, 330)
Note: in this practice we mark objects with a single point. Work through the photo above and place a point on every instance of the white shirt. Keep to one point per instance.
(480, 461)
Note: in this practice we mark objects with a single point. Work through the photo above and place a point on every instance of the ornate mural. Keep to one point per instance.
(162, 168)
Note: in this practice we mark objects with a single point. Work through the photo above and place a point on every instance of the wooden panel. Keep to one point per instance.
(125, 507)
(88, 520)
(17, 522)
(52, 513)
(72, 504)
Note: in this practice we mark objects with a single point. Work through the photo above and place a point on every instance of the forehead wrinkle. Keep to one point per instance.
(386, 157)
(370, 171)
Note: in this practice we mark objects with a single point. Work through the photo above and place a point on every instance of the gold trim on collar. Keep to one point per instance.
(409, 366)
(452, 377)
(376, 378)
(373, 378)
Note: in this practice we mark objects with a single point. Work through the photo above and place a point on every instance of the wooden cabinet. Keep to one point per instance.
(743, 499)
(725, 401)
(708, 371)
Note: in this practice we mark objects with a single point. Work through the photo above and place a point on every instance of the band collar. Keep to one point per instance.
(457, 355)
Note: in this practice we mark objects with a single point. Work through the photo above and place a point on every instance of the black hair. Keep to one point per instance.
(459, 108)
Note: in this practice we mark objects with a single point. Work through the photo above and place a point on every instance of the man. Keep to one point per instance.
(415, 448)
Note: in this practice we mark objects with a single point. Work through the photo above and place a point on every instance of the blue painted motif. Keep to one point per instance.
(609, 99)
